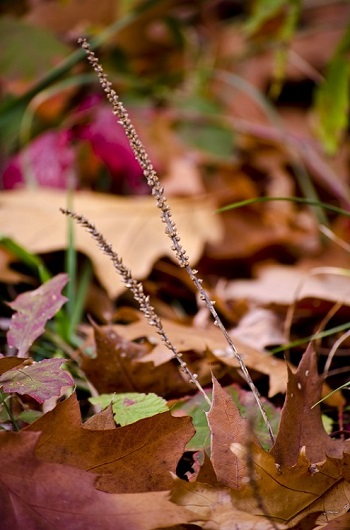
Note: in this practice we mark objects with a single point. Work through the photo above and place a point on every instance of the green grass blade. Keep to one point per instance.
(29, 259)
(301, 200)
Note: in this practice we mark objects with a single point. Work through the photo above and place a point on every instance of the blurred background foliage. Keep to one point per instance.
(189, 72)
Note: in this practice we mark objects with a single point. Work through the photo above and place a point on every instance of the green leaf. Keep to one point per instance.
(332, 103)
(131, 406)
(27, 52)
(196, 407)
(263, 11)
(212, 138)
(41, 380)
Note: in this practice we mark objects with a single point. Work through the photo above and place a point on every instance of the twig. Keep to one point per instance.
(137, 290)
(171, 229)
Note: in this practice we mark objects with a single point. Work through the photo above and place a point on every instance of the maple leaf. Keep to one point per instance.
(34, 309)
(135, 458)
(41, 380)
(39, 495)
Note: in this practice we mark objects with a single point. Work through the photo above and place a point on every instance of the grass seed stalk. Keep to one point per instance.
(171, 231)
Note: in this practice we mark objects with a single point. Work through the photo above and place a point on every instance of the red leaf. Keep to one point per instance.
(41, 380)
(37, 495)
(34, 309)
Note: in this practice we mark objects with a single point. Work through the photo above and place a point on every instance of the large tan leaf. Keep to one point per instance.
(284, 284)
(132, 225)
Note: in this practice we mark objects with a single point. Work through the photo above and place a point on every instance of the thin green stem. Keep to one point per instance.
(301, 200)
(3, 397)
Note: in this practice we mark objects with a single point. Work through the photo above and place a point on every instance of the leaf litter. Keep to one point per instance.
(186, 465)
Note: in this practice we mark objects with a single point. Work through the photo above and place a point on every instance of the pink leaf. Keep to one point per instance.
(41, 380)
(34, 309)
(48, 161)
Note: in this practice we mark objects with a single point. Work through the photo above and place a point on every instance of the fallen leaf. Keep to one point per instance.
(7, 363)
(58, 496)
(132, 225)
(259, 328)
(215, 508)
(67, 17)
(41, 380)
(29, 41)
(102, 421)
(187, 338)
(51, 149)
(34, 309)
(283, 284)
(301, 425)
(134, 458)
(226, 427)
(116, 367)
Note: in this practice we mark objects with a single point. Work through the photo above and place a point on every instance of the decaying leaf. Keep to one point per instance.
(263, 488)
(301, 424)
(284, 284)
(216, 509)
(41, 380)
(128, 223)
(187, 338)
(33, 310)
(227, 426)
(116, 366)
(39, 495)
(7, 363)
(132, 459)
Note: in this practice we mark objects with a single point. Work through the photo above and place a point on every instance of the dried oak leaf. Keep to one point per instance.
(259, 486)
(187, 338)
(285, 284)
(227, 426)
(301, 425)
(116, 367)
(134, 458)
(216, 508)
(7, 363)
(132, 225)
(287, 498)
(38, 495)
